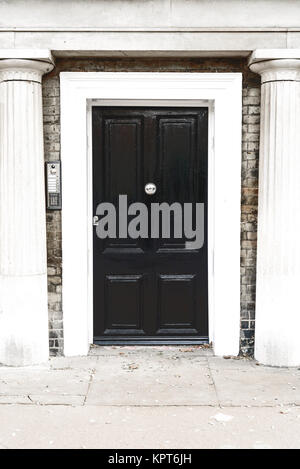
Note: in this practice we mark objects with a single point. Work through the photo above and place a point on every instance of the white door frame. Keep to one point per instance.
(222, 93)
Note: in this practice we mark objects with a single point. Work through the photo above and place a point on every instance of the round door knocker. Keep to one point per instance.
(150, 188)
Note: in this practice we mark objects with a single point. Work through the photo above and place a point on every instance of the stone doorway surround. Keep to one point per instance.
(23, 293)
(222, 93)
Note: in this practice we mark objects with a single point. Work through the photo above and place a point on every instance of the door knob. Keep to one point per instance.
(150, 188)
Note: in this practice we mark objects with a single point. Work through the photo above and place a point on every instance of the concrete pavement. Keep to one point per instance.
(149, 397)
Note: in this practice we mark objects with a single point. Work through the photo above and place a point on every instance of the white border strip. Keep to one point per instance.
(222, 92)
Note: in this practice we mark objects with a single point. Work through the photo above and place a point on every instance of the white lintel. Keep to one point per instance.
(261, 55)
(44, 55)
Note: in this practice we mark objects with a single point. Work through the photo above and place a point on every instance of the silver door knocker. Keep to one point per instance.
(150, 188)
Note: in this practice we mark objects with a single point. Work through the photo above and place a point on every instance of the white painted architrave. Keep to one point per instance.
(222, 92)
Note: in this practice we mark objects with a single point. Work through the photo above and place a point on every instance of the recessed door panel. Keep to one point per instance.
(123, 156)
(177, 158)
(127, 291)
(177, 304)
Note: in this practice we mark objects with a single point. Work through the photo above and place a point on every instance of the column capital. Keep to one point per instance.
(276, 64)
(25, 65)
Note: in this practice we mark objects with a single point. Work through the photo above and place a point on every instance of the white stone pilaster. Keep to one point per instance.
(277, 339)
(23, 263)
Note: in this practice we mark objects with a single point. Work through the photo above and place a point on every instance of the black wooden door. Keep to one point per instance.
(150, 290)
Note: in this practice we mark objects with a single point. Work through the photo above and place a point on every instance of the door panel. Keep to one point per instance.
(177, 138)
(125, 290)
(176, 304)
(150, 290)
(123, 155)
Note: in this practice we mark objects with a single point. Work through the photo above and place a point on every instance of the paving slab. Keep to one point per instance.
(238, 364)
(260, 386)
(146, 351)
(175, 379)
(41, 381)
(73, 363)
(92, 427)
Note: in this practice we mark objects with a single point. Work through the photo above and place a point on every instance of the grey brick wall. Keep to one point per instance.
(251, 112)
(51, 111)
(250, 144)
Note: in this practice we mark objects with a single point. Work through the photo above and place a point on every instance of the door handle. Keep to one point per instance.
(95, 220)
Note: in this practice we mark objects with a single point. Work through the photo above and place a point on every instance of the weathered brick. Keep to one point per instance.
(254, 91)
(251, 119)
(252, 100)
(254, 128)
(253, 110)
(253, 146)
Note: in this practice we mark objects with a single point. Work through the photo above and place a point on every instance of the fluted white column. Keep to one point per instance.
(23, 264)
(277, 340)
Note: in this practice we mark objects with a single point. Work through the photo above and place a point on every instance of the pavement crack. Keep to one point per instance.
(213, 383)
(89, 385)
